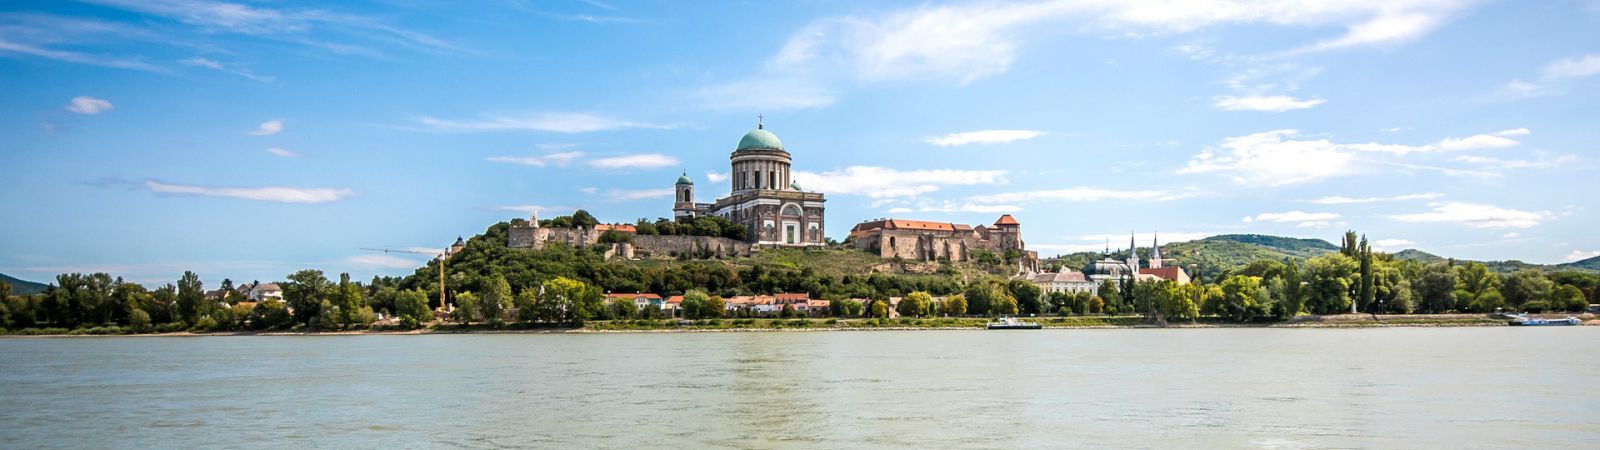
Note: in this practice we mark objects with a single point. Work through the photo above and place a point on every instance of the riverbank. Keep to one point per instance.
(832, 324)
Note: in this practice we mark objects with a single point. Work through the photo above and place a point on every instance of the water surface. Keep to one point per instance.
(1237, 388)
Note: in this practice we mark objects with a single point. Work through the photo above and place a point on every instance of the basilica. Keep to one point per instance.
(764, 198)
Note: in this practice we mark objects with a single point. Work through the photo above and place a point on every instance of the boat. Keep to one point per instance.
(1011, 323)
(1524, 320)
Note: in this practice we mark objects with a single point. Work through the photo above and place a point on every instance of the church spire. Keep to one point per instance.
(1155, 251)
(761, 122)
(1133, 254)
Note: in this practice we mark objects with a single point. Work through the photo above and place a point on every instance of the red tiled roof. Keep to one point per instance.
(608, 227)
(676, 299)
(632, 296)
(1006, 220)
(1165, 273)
(790, 297)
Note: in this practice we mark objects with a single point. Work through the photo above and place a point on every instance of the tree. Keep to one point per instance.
(191, 297)
(1097, 305)
(1401, 302)
(1028, 296)
(1525, 286)
(1111, 296)
(494, 301)
(351, 299)
(1365, 292)
(582, 219)
(1435, 288)
(787, 311)
(715, 306)
(694, 304)
(1568, 298)
(304, 292)
(1293, 300)
(467, 308)
(139, 320)
(1243, 299)
(849, 308)
(568, 301)
(915, 304)
(1478, 289)
(1330, 279)
(623, 309)
(411, 306)
(879, 309)
(955, 305)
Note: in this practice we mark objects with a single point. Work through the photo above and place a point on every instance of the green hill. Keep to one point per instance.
(1286, 244)
(1592, 264)
(22, 287)
(1503, 267)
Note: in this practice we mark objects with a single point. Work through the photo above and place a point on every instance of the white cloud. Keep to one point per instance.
(637, 194)
(1337, 200)
(1396, 26)
(384, 261)
(1268, 103)
(1278, 158)
(1577, 67)
(1542, 161)
(1143, 238)
(954, 207)
(1083, 194)
(1299, 218)
(268, 194)
(218, 66)
(530, 209)
(716, 177)
(1391, 244)
(1475, 215)
(268, 128)
(1273, 158)
(88, 105)
(294, 26)
(557, 159)
(768, 93)
(1579, 255)
(556, 122)
(983, 137)
(279, 152)
(883, 182)
(1511, 235)
(640, 161)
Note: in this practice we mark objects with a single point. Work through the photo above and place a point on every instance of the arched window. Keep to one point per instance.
(791, 210)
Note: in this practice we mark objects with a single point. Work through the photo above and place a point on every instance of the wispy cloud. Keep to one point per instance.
(883, 182)
(955, 207)
(639, 161)
(1577, 67)
(1475, 215)
(218, 66)
(1083, 194)
(1552, 77)
(338, 32)
(557, 122)
(561, 159)
(267, 128)
(1281, 157)
(1579, 255)
(530, 209)
(715, 176)
(634, 194)
(1299, 218)
(88, 105)
(1268, 103)
(384, 261)
(278, 194)
(281, 153)
(1338, 200)
(1389, 245)
(983, 137)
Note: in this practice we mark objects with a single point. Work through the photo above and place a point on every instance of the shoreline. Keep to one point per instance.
(835, 325)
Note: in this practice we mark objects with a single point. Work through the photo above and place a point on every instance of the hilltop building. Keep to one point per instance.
(1111, 269)
(764, 198)
(931, 241)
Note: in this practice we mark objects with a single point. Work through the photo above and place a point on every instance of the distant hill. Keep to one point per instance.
(1584, 264)
(22, 287)
(1287, 244)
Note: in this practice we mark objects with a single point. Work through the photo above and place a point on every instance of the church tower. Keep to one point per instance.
(683, 203)
(1155, 251)
(1133, 255)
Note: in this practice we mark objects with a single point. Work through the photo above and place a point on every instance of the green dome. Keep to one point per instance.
(684, 179)
(760, 138)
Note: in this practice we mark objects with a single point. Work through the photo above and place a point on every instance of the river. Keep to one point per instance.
(1154, 388)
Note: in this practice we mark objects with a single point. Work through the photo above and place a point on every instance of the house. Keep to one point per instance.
(622, 228)
(1069, 281)
(639, 300)
(262, 291)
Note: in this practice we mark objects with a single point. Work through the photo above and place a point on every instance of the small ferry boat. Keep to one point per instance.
(1524, 320)
(1011, 323)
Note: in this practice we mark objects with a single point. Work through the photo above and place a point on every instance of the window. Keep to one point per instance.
(772, 180)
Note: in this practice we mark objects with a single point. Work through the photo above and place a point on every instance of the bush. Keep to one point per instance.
(205, 324)
(1536, 306)
(139, 320)
(172, 327)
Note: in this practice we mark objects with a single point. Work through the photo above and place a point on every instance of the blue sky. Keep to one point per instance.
(248, 140)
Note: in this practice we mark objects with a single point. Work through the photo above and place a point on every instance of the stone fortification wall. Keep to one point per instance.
(643, 246)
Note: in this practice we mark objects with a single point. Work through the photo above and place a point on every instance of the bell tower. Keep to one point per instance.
(683, 203)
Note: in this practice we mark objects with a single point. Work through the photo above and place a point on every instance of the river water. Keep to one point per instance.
(1188, 388)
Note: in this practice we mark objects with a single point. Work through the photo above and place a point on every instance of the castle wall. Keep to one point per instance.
(643, 246)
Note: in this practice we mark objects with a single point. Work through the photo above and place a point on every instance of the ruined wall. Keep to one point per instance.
(667, 246)
(643, 246)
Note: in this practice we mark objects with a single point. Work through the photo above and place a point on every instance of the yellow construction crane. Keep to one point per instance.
(441, 255)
